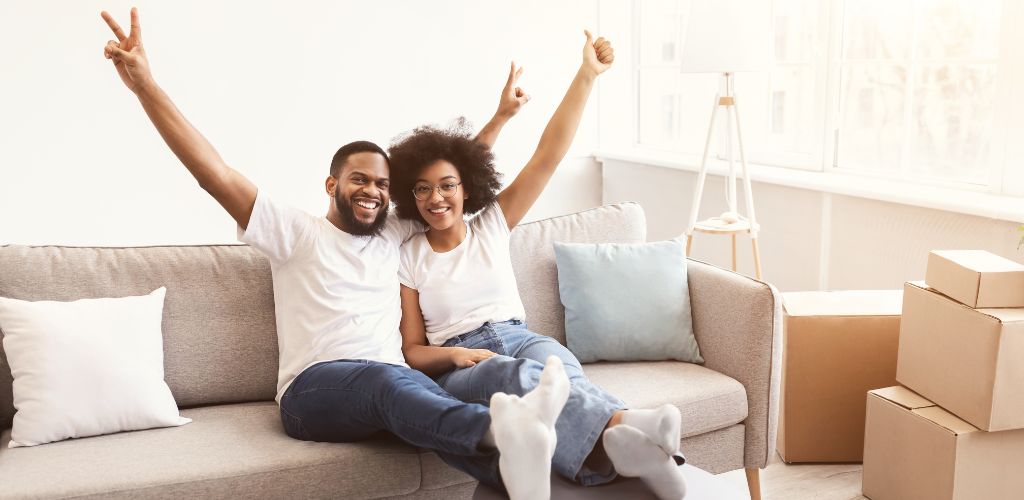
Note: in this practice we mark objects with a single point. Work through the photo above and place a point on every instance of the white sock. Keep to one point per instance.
(661, 425)
(634, 455)
(524, 432)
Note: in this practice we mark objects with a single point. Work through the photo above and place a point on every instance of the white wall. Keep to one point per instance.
(809, 240)
(277, 87)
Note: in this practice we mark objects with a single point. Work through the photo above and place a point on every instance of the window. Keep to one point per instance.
(918, 88)
(902, 89)
(668, 100)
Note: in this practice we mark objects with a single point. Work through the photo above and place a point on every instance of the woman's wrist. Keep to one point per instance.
(587, 73)
(453, 353)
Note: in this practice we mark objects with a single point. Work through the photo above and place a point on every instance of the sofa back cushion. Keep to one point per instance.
(219, 338)
(533, 256)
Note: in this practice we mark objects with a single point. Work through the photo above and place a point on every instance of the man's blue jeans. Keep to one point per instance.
(516, 370)
(351, 400)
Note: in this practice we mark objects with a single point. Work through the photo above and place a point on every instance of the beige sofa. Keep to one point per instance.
(221, 363)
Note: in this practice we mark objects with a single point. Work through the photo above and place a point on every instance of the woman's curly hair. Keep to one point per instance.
(412, 152)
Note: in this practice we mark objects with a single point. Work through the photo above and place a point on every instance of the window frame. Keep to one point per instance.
(1007, 121)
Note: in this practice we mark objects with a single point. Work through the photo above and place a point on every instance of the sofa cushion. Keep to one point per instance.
(626, 302)
(533, 256)
(230, 451)
(220, 340)
(438, 475)
(86, 367)
(707, 399)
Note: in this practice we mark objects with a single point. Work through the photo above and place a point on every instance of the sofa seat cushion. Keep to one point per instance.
(707, 399)
(438, 475)
(229, 451)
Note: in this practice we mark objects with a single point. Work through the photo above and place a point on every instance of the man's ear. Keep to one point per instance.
(331, 184)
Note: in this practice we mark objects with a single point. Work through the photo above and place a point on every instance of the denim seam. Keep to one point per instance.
(290, 414)
(499, 341)
(304, 432)
(522, 347)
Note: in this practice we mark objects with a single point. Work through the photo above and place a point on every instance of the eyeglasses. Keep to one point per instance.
(445, 189)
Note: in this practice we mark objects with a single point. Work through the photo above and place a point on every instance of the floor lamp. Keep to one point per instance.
(727, 37)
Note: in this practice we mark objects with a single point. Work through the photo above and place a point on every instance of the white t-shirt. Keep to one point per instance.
(336, 295)
(464, 288)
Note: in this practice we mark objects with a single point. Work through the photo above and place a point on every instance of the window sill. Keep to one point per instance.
(963, 201)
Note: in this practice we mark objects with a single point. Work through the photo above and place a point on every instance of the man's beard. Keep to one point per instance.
(355, 226)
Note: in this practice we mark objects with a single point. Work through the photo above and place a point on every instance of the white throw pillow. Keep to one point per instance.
(88, 367)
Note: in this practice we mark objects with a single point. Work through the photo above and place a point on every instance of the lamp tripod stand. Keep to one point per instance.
(731, 222)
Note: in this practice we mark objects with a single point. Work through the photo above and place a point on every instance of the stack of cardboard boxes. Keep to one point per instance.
(954, 427)
(837, 346)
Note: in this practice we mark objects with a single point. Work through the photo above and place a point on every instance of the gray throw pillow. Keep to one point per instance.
(626, 302)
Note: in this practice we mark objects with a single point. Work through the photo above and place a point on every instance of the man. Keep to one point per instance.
(342, 376)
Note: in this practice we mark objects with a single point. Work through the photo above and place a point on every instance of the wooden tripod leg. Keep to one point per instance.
(757, 259)
(734, 252)
(689, 244)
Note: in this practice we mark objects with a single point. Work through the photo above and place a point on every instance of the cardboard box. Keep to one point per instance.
(916, 450)
(836, 347)
(968, 361)
(977, 278)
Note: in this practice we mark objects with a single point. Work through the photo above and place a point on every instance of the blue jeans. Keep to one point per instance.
(516, 370)
(351, 400)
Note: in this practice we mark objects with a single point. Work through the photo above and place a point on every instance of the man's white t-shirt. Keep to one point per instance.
(336, 295)
(470, 285)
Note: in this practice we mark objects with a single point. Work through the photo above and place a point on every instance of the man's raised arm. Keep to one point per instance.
(232, 190)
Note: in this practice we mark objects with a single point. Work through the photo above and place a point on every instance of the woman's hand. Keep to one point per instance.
(597, 55)
(465, 358)
(513, 98)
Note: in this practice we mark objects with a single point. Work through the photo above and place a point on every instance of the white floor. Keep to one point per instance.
(781, 481)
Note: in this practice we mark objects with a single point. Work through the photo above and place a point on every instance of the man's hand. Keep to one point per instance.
(127, 53)
(597, 55)
(512, 97)
(231, 189)
(465, 358)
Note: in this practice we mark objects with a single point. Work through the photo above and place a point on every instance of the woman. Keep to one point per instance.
(462, 318)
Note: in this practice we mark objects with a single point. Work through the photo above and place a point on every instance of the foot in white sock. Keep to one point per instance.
(552, 392)
(524, 432)
(634, 455)
(661, 425)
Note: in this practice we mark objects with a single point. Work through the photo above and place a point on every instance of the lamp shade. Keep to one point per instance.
(727, 36)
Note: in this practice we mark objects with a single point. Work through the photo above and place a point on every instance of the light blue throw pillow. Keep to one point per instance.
(626, 302)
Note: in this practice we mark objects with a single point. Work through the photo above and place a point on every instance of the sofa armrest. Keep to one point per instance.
(737, 322)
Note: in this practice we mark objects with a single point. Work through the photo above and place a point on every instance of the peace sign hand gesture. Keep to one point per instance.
(127, 53)
(513, 98)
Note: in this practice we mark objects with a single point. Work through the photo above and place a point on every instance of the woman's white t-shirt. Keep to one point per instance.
(470, 285)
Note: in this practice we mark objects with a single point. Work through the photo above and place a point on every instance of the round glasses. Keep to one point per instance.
(445, 189)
